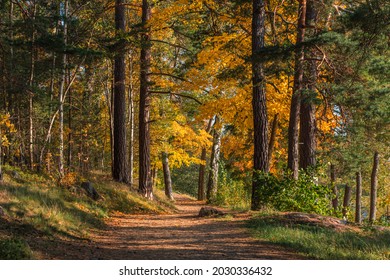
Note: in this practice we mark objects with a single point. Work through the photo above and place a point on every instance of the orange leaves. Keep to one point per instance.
(6, 127)
(181, 142)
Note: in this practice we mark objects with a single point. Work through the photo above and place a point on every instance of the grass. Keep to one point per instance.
(38, 201)
(322, 243)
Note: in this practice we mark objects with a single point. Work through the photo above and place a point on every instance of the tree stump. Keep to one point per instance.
(90, 190)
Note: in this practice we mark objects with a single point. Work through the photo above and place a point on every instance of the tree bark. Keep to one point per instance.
(167, 176)
(212, 183)
(145, 179)
(202, 167)
(374, 187)
(307, 117)
(358, 210)
(259, 106)
(293, 128)
(120, 172)
(62, 89)
(11, 70)
(335, 199)
(31, 90)
(131, 122)
(272, 139)
(347, 199)
(70, 135)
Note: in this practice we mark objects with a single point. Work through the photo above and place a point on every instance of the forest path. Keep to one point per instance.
(182, 235)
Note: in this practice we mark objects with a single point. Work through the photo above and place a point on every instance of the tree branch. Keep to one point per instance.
(168, 75)
(172, 45)
(176, 94)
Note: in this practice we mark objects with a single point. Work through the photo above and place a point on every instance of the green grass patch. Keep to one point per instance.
(15, 249)
(318, 242)
(39, 201)
(118, 197)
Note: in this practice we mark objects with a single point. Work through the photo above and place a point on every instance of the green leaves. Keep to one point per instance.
(287, 194)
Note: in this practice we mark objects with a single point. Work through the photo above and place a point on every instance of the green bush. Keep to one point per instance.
(14, 249)
(287, 194)
(232, 192)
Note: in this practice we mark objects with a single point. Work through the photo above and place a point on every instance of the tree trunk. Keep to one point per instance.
(212, 184)
(167, 176)
(374, 186)
(31, 90)
(202, 167)
(272, 139)
(120, 160)
(293, 128)
(307, 117)
(109, 94)
(62, 89)
(1, 156)
(70, 135)
(358, 210)
(347, 199)
(145, 180)
(11, 70)
(307, 133)
(335, 199)
(259, 106)
(154, 172)
(131, 121)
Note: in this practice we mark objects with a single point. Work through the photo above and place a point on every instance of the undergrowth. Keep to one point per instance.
(15, 249)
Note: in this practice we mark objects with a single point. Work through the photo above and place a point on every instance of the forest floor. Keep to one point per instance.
(181, 235)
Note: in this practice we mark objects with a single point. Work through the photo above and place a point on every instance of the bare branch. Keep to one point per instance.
(177, 94)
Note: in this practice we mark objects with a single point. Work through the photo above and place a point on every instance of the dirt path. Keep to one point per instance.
(175, 236)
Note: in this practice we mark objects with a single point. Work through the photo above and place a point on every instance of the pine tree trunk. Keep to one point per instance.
(358, 210)
(120, 160)
(212, 183)
(145, 180)
(11, 70)
(260, 120)
(374, 187)
(307, 133)
(335, 199)
(307, 117)
(31, 90)
(202, 167)
(293, 128)
(272, 139)
(131, 122)
(167, 176)
(62, 90)
(347, 199)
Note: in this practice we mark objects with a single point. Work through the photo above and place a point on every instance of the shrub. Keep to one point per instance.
(287, 194)
(232, 192)
(14, 249)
